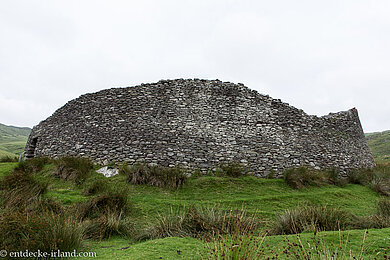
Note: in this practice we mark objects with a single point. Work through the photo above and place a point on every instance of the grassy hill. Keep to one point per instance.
(12, 139)
(379, 144)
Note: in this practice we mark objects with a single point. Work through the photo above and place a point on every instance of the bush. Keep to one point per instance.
(154, 175)
(233, 169)
(33, 165)
(21, 189)
(45, 231)
(310, 218)
(73, 168)
(302, 177)
(199, 222)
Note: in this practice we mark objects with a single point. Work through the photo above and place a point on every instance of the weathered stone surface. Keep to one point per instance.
(200, 123)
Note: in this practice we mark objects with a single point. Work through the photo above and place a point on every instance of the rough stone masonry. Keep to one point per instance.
(200, 124)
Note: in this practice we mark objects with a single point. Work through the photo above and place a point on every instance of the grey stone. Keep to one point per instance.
(199, 123)
(108, 172)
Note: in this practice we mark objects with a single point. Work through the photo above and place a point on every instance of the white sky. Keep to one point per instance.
(319, 56)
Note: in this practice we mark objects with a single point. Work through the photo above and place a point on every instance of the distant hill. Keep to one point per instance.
(379, 144)
(12, 139)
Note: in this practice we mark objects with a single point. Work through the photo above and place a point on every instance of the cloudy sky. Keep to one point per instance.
(319, 56)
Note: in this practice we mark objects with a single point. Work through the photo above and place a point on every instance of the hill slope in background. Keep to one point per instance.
(12, 139)
(379, 144)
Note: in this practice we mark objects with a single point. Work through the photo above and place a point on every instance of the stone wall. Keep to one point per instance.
(200, 123)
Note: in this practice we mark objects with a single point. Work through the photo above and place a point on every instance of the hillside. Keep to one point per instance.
(379, 144)
(12, 139)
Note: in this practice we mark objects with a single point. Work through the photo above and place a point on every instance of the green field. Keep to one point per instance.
(262, 197)
(12, 140)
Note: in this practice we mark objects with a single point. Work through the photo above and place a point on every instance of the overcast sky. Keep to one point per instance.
(319, 56)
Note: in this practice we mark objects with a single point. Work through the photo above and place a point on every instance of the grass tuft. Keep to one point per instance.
(301, 177)
(105, 215)
(71, 168)
(21, 189)
(310, 218)
(199, 222)
(166, 177)
(45, 231)
(96, 187)
(233, 169)
(33, 165)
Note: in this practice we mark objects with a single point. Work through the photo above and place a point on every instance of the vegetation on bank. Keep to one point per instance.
(379, 144)
(199, 216)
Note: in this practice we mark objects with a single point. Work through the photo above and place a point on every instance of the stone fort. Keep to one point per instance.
(200, 124)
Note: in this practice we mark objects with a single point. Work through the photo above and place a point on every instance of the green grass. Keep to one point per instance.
(263, 197)
(15, 147)
(190, 248)
(165, 248)
(6, 154)
(6, 168)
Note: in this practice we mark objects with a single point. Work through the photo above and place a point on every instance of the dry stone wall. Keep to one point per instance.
(200, 124)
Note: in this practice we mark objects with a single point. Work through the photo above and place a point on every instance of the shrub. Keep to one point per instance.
(73, 168)
(45, 231)
(154, 175)
(302, 177)
(21, 189)
(5, 159)
(310, 218)
(199, 222)
(33, 165)
(233, 169)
